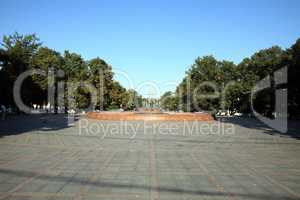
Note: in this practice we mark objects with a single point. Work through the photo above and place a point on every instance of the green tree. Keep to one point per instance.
(131, 100)
(169, 101)
(75, 71)
(193, 87)
(293, 63)
(101, 76)
(4, 80)
(17, 53)
(117, 94)
(50, 62)
(74, 66)
(262, 64)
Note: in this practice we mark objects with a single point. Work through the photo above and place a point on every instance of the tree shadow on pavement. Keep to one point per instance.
(161, 189)
(34, 122)
(253, 123)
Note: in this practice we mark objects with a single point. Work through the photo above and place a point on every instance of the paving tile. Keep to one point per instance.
(248, 164)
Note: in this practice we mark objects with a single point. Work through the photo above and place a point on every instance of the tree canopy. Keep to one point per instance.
(24, 52)
(210, 84)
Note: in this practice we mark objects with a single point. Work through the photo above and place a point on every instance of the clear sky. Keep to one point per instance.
(155, 40)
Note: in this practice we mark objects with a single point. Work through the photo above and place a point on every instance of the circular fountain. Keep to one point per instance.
(150, 116)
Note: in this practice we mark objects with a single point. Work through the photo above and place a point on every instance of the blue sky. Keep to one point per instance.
(155, 41)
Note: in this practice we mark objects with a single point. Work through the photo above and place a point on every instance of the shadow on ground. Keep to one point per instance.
(161, 189)
(293, 126)
(34, 122)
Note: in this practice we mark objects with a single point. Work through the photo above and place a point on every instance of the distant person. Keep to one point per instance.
(3, 110)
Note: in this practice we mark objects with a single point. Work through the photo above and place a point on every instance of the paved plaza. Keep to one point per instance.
(41, 157)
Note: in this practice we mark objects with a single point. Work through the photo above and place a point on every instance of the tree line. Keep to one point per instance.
(207, 75)
(196, 92)
(19, 53)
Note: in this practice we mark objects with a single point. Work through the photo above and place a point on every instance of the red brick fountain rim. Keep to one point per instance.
(150, 116)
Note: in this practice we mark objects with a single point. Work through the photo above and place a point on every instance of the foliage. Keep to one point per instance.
(23, 52)
(209, 84)
(234, 82)
(169, 101)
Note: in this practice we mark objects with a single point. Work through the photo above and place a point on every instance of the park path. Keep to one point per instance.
(42, 158)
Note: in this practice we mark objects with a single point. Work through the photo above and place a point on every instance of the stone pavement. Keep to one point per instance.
(42, 158)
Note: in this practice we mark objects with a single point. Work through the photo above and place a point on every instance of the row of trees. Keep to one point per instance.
(206, 83)
(208, 79)
(20, 53)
